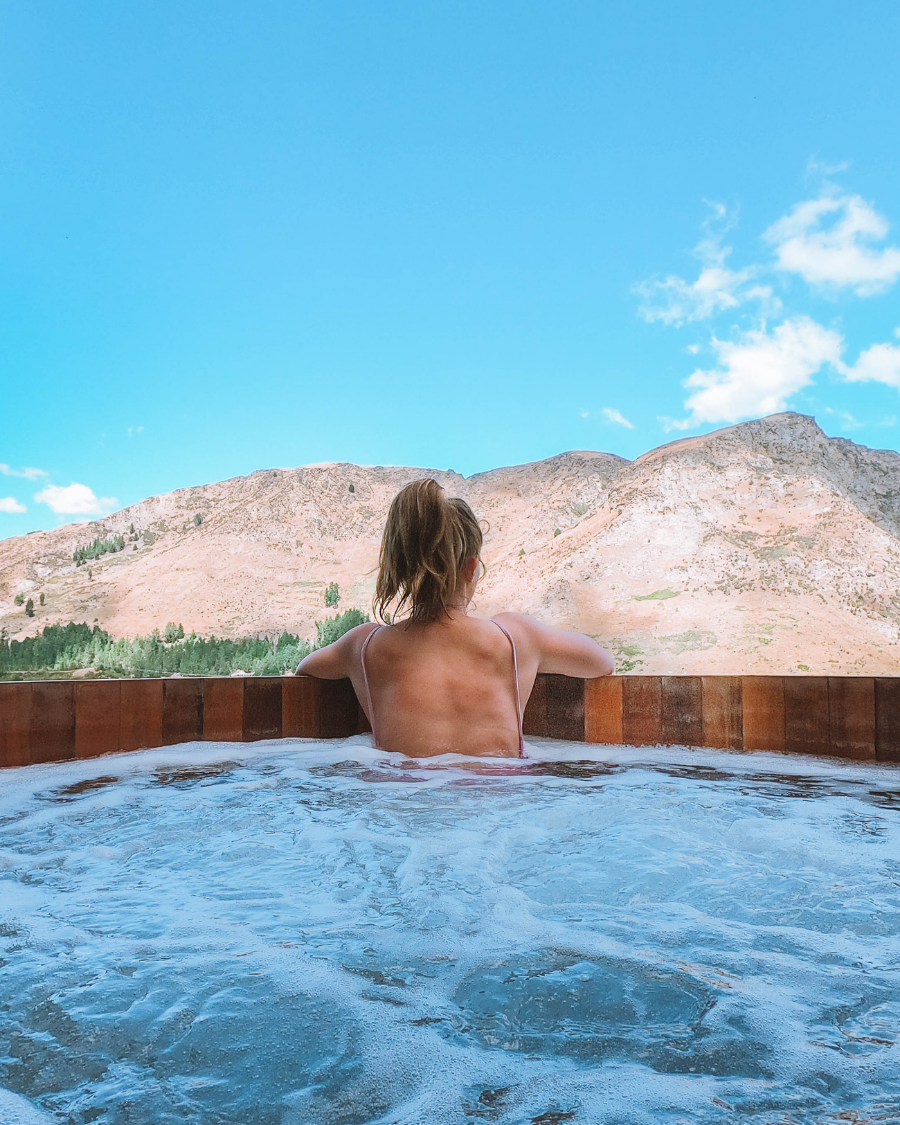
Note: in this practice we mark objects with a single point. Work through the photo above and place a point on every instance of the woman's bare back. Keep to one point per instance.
(449, 686)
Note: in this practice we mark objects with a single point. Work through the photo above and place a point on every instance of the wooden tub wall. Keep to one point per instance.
(833, 716)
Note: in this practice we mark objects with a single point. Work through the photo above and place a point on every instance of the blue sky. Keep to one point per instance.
(458, 235)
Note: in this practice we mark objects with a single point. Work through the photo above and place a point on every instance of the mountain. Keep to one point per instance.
(763, 547)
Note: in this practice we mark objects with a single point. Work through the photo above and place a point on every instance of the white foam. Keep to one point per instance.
(299, 932)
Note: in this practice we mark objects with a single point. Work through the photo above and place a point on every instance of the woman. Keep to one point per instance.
(438, 681)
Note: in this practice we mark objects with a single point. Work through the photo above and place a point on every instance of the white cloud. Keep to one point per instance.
(132, 430)
(75, 500)
(675, 301)
(10, 504)
(617, 417)
(28, 474)
(878, 364)
(829, 241)
(758, 373)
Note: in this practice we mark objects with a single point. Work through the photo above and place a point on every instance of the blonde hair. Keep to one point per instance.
(427, 541)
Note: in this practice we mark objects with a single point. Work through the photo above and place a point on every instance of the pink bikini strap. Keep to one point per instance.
(362, 658)
(512, 643)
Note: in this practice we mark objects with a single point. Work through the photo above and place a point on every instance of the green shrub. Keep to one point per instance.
(97, 548)
(29, 608)
(332, 594)
(198, 519)
(19, 599)
(328, 631)
(173, 632)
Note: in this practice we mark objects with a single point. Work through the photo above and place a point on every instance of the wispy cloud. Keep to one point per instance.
(675, 301)
(759, 372)
(848, 422)
(11, 505)
(617, 417)
(830, 242)
(75, 500)
(27, 474)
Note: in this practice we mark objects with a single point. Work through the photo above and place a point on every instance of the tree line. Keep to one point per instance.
(62, 649)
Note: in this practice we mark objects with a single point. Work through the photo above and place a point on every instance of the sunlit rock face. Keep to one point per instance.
(764, 547)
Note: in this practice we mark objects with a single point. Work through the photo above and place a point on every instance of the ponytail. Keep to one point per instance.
(427, 541)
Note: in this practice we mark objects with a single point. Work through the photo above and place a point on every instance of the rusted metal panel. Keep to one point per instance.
(52, 720)
(300, 707)
(603, 710)
(723, 726)
(887, 718)
(851, 716)
(223, 709)
(182, 711)
(681, 711)
(763, 712)
(141, 720)
(262, 708)
(15, 724)
(98, 705)
(806, 715)
(642, 710)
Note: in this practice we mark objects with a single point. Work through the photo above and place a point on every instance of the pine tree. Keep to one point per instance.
(29, 608)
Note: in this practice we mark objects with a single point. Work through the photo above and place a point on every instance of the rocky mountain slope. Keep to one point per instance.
(764, 547)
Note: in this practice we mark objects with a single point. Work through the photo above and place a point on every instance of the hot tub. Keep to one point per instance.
(300, 932)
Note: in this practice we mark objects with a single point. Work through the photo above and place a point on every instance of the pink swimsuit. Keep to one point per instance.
(512, 643)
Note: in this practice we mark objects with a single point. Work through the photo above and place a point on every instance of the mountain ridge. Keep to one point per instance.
(761, 547)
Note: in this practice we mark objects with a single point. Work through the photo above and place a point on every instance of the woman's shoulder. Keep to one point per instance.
(518, 620)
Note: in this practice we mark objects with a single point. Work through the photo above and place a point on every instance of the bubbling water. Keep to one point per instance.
(325, 934)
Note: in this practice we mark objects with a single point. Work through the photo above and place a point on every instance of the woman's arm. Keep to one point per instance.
(335, 661)
(562, 651)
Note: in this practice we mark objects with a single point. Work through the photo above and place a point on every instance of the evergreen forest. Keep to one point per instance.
(60, 650)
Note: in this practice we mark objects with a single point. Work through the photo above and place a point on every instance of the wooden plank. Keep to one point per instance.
(722, 704)
(182, 711)
(806, 715)
(603, 710)
(565, 707)
(262, 708)
(338, 709)
(851, 716)
(887, 718)
(642, 710)
(535, 721)
(52, 720)
(223, 709)
(141, 719)
(15, 724)
(300, 707)
(681, 711)
(763, 712)
(98, 704)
